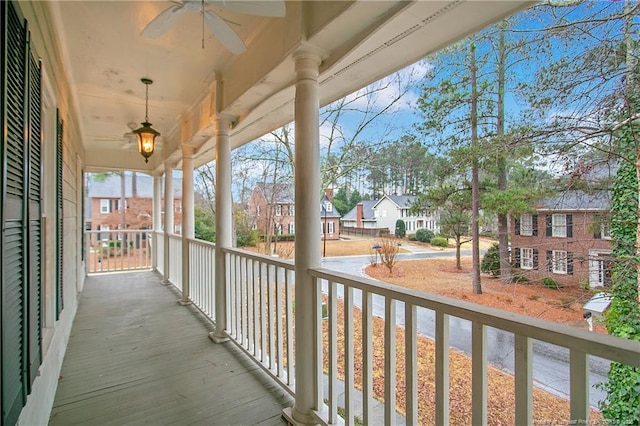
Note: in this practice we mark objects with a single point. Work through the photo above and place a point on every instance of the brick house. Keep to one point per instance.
(272, 210)
(567, 239)
(103, 199)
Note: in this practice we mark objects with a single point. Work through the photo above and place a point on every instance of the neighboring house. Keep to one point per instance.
(330, 217)
(271, 208)
(361, 216)
(102, 206)
(567, 239)
(387, 210)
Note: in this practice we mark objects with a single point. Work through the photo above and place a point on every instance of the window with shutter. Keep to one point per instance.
(59, 217)
(34, 225)
(14, 273)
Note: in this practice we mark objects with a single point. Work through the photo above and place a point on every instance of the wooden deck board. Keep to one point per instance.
(135, 356)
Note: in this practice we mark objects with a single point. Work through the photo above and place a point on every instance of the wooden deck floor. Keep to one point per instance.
(135, 356)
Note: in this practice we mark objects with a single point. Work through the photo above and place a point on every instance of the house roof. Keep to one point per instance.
(367, 207)
(576, 200)
(325, 213)
(402, 201)
(110, 186)
(281, 193)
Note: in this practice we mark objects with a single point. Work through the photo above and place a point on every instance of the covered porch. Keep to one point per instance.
(76, 88)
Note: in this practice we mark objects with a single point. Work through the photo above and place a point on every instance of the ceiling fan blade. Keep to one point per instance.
(275, 8)
(161, 23)
(224, 33)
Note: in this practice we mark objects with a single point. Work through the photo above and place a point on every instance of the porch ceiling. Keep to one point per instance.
(106, 57)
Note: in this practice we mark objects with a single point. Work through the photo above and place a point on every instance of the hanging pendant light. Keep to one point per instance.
(146, 134)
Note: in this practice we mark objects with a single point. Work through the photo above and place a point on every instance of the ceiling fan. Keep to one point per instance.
(218, 26)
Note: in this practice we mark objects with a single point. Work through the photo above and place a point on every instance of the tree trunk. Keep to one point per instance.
(503, 219)
(475, 193)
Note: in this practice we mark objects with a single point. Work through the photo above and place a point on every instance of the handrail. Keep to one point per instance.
(581, 345)
(118, 250)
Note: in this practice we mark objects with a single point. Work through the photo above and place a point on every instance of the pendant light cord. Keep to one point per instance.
(146, 109)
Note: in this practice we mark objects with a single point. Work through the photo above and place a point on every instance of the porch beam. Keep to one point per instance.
(307, 249)
(224, 223)
(168, 220)
(188, 226)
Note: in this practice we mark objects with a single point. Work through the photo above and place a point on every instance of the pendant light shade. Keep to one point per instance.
(146, 134)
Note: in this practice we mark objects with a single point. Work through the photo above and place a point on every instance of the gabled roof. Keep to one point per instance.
(325, 213)
(280, 193)
(401, 201)
(576, 200)
(367, 211)
(110, 186)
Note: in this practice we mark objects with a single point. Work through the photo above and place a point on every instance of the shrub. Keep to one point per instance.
(549, 282)
(424, 235)
(491, 261)
(412, 237)
(439, 242)
(401, 228)
(519, 278)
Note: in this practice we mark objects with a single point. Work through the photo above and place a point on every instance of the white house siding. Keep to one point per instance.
(388, 212)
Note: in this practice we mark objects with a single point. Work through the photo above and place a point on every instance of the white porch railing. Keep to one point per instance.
(160, 251)
(202, 276)
(260, 320)
(175, 260)
(260, 311)
(118, 250)
(373, 296)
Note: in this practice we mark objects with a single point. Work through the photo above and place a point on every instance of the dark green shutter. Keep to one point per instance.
(517, 261)
(59, 217)
(534, 224)
(549, 224)
(569, 263)
(516, 227)
(549, 260)
(535, 259)
(14, 274)
(34, 224)
(569, 218)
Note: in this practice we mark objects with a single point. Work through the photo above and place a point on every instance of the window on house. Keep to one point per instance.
(526, 258)
(526, 225)
(559, 262)
(278, 229)
(278, 210)
(258, 210)
(292, 210)
(105, 206)
(559, 225)
(328, 206)
(605, 230)
(292, 228)
(331, 227)
(103, 236)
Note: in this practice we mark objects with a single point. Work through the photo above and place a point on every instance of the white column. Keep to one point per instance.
(307, 249)
(157, 221)
(224, 223)
(188, 227)
(168, 219)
